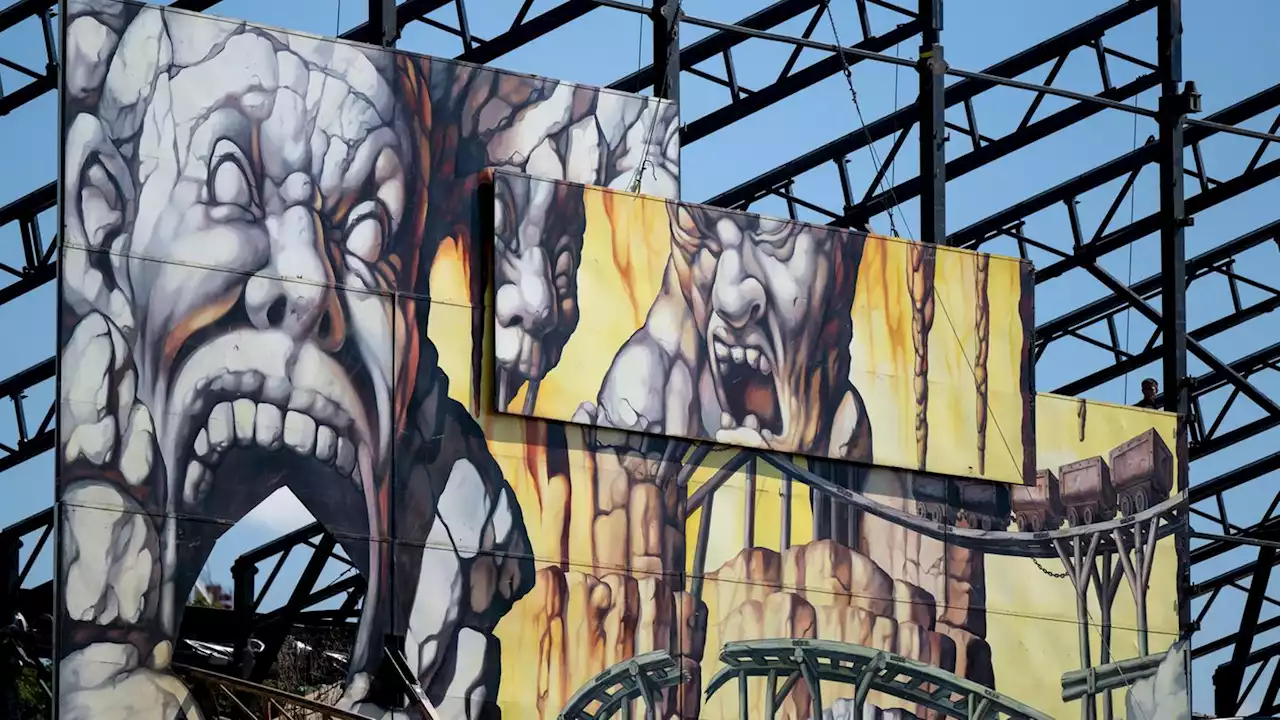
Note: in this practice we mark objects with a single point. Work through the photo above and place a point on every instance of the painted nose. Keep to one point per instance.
(293, 292)
(738, 295)
(527, 300)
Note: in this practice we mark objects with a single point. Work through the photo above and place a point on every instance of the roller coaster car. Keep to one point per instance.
(933, 498)
(1142, 470)
(1087, 492)
(1038, 507)
(982, 505)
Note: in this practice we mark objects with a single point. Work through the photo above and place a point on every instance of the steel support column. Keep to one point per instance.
(1173, 268)
(666, 49)
(1173, 217)
(1173, 107)
(383, 23)
(933, 131)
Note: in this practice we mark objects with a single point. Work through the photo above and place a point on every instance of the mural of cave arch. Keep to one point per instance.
(567, 432)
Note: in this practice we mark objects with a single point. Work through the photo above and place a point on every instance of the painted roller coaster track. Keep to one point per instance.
(643, 676)
(1042, 544)
(866, 669)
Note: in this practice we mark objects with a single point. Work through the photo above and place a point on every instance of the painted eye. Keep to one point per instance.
(366, 230)
(229, 180)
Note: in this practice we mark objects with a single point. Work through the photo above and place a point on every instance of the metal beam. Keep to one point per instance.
(979, 232)
(786, 85)
(1174, 105)
(27, 444)
(383, 23)
(1229, 677)
(933, 121)
(1089, 313)
(719, 42)
(666, 48)
(1078, 36)
(1026, 134)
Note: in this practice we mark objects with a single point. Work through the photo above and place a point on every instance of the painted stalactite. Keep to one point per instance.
(982, 331)
(920, 284)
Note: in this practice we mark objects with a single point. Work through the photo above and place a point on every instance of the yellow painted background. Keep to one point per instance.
(1031, 616)
(625, 253)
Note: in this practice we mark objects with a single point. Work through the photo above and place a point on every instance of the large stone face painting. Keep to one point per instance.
(425, 298)
(251, 218)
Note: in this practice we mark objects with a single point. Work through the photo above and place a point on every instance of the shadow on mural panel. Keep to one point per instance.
(780, 335)
(253, 222)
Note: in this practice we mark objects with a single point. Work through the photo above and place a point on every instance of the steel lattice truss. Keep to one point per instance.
(1225, 401)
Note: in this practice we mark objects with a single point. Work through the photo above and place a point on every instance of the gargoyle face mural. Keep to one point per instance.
(536, 255)
(245, 219)
(302, 264)
(252, 219)
(772, 303)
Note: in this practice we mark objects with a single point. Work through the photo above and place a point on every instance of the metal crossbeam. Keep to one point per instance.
(29, 439)
(767, 183)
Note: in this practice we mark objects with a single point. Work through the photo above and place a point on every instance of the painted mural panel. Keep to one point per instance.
(793, 564)
(941, 572)
(745, 330)
(298, 228)
(265, 237)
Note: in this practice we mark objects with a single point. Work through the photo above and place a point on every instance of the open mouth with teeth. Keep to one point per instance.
(748, 387)
(244, 423)
(260, 410)
(512, 372)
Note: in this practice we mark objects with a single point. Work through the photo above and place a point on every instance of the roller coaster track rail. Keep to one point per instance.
(1163, 517)
(865, 668)
(644, 676)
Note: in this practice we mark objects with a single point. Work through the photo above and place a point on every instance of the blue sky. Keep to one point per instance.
(1228, 54)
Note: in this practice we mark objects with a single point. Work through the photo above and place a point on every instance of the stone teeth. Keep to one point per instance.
(751, 422)
(137, 456)
(326, 443)
(346, 460)
(765, 367)
(753, 357)
(721, 350)
(727, 422)
(737, 354)
(201, 445)
(301, 400)
(251, 382)
(221, 427)
(300, 432)
(276, 390)
(269, 427)
(244, 411)
(196, 485)
(244, 422)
